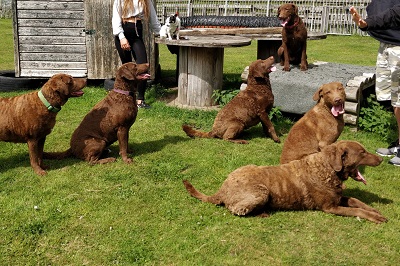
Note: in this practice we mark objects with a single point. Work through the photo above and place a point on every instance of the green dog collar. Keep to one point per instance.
(47, 104)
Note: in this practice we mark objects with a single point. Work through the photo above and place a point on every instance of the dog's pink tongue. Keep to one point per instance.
(336, 110)
(360, 178)
(284, 22)
(272, 69)
(144, 76)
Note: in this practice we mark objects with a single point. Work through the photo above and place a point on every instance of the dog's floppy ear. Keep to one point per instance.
(296, 9)
(63, 84)
(67, 79)
(257, 70)
(336, 153)
(128, 71)
(317, 94)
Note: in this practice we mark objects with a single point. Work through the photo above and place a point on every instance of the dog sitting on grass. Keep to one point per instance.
(248, 108)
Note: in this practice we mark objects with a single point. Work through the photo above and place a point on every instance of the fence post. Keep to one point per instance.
(324, 19)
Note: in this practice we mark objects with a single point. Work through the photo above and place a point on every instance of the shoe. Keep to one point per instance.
(393, 148)
(395, 160)
(143, 105)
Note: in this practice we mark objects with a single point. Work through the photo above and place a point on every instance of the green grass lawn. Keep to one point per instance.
(140, 214)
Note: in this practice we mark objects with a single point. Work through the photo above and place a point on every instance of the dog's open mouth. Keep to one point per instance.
(284, 21)
(77, 93)
(143, 76)
(271, 69)
(337, 110)
(354, 173)
(359, 177)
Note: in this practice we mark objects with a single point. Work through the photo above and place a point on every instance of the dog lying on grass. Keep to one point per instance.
(248, 108)
(312, 183)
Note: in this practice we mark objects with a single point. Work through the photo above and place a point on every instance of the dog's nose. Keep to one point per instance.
(338, 100)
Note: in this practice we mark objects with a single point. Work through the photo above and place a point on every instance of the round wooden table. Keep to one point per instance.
(200, 66)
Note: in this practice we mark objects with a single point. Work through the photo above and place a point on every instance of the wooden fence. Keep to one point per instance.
(329, 16)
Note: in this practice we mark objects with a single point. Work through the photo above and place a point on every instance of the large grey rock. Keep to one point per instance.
(294, 90)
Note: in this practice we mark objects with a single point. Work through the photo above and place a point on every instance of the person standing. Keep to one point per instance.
(127, 23)
(383, 24)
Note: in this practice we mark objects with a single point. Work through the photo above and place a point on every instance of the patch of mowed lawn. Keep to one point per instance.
(140, 214)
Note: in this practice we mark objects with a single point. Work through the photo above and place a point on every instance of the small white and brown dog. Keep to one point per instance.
(171, 27)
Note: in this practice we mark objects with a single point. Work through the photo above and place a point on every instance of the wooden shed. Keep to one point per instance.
(67, 36)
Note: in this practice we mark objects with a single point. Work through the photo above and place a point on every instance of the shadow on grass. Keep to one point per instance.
(149, 146)
(22, 159)
(16, 160)
(365, 196)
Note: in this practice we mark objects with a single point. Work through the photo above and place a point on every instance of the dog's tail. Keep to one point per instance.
(198, 195)
(57, 155)
(191, 132)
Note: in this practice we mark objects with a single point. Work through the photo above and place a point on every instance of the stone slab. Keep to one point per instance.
(294, 90)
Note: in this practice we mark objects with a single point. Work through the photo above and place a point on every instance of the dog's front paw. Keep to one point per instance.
(276, 139)
(40, 172)
(128, 160)
(286, 68)
(303, 67)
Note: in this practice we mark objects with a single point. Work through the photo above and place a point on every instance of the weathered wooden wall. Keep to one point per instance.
(68, 36)
(49, 38)
(102, 57)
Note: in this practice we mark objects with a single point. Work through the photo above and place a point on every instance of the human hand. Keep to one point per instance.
(357, 19)
(125, 44)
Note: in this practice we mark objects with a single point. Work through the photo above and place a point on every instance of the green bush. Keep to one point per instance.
(222, 97)
(375, 118)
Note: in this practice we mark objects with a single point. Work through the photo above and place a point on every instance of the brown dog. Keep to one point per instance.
(294, 38)
(31, 117)
(319, 127)
(109, 120)
(255, 189)
(250, 107)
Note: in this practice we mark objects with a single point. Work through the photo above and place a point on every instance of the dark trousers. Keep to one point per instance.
(134, 34)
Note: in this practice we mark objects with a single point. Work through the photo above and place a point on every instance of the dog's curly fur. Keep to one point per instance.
(312, 183)
(320, 126)
(294, 38)
(108, 121)
(248, 108)
(25, 118)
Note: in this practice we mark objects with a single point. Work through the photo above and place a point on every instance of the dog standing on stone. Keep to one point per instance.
(248, 108)
(108, 121)
(171, 27)
(294, 38)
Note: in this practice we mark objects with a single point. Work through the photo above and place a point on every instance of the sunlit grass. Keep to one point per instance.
(140, 214)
